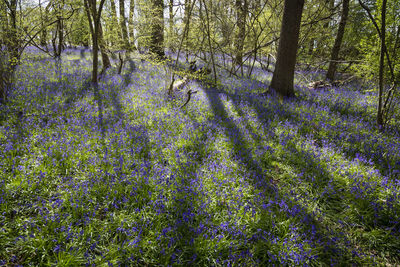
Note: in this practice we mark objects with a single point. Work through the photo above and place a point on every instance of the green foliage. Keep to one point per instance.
(366, 39)
(80, 33)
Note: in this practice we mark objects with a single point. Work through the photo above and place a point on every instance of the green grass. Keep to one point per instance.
(234, 178)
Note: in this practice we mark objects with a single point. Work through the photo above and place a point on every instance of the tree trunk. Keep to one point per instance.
(282, 80)
(94, 16)
(380, 117)
(186, 20)
(11, 50)
(13, 33)
(330, 75)
(58, 49)
(171, 24)
(130, 24)
(210, 47)
(122, 20)
(157, 29)
(241, 13)
(3, 56)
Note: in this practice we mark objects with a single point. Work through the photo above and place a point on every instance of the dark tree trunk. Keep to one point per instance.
(122, 20)
(282, 80)
(311, 47)
(171, 24)
(186, 20)
(380, 117)
(157, 29)
(3, 56)
(11, 52)
(13, 45)
(241, 7)
(61, 39)
(43, 37)
(94, 16)
(210, 47)
(330, 75)
(130, 23)
(58, 50)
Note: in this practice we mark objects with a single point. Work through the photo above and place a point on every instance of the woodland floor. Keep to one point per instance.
(234, 178)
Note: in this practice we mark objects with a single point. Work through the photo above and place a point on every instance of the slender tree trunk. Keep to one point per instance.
(330, 75)
(209, 40)
(157, 29)
(94, 16)
(380, 118)
(11, 50)
(58, 40)
(122, 20)
(130, 24)
(3, 55)
(241, 14)
(186, 20)
(58, 49)
(282, 80)
(171, 24)
(14, 44)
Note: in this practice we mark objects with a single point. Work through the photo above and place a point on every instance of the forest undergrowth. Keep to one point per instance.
(235, 178)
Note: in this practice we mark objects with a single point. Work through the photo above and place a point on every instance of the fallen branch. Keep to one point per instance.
(189, 93)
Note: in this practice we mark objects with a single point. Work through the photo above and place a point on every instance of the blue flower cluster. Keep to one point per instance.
(234, 178)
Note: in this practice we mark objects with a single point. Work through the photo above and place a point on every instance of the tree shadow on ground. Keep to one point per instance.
(129, 70)
(354, 142)
(321, 187)
(82, 53)
(186, 209)
(347, 202)
(237, 139)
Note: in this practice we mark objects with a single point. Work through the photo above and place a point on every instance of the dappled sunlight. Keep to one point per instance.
(233, 178)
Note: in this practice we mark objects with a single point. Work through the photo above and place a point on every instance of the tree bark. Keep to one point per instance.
(330, 75)
(282, 80)
(94, 16)
(210, 47)
(171, 24)
(11, 49)
(13, 33)
(157, 29)
(3, 57)
(186, 20)
(59, 48)
(122, 20)
(380, 116)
